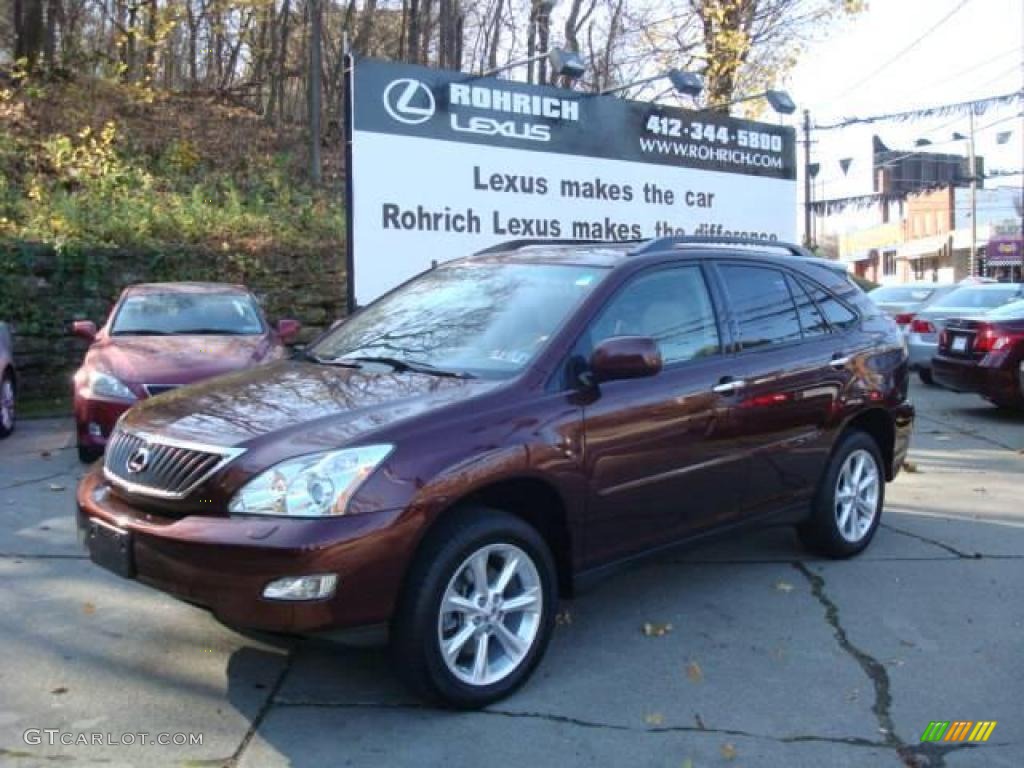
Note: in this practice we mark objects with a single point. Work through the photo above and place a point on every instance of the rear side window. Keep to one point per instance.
(761, 303)
(812, 322)
(839, 316)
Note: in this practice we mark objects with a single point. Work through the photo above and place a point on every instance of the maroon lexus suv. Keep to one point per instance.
(457, 455)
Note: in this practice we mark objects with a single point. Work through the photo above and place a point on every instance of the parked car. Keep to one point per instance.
(451, 459)
(160, 336)
(7, 381)
(905, 301)
(985, 355)
(966, 301)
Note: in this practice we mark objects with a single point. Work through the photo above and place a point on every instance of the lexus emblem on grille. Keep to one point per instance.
(138, 461)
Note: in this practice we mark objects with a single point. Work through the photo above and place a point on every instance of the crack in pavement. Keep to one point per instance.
(22, 483)
(16, 556)
(263, 711)
(924, 755)
(935, 543)
(872, 667)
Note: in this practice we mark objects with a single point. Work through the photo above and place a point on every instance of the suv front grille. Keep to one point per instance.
(156, 466)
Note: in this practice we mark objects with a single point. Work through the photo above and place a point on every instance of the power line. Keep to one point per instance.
(940, 110)
(903, 52)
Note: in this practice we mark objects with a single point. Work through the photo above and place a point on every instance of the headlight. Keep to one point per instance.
(315, 485)
(103, 386)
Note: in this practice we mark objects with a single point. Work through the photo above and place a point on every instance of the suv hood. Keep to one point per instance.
(319, 405)
(176, 359)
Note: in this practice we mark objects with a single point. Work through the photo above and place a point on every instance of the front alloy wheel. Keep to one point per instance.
(490, 614)
(477, 610)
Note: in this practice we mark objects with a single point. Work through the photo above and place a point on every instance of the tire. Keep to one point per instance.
(823, 531)
(7, 412)
(444, 568)
(925, 375)
(87, 454)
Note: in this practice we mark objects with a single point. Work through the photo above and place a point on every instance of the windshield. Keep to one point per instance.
(482, 319)
(161, 314)
(1012, 311)
(902, 294)
(978, 297)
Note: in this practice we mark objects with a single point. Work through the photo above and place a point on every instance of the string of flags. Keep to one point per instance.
(978, 106)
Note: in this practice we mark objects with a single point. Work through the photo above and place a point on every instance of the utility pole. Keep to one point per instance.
(972, 261)
(807, 179)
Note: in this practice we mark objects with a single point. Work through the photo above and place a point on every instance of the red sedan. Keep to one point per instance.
(160, 336)
(985, 355)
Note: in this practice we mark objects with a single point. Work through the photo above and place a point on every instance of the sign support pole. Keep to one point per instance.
(349, 124)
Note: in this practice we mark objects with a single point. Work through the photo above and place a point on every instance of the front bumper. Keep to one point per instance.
(1000, 383)
(223, 564)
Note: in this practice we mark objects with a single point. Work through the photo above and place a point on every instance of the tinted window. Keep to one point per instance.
(838, 314)
(672, 306)
(161, 314)
(811, 320)
(762, 305)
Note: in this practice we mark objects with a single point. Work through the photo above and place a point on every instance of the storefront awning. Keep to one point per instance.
(923, 246)
(859, 256)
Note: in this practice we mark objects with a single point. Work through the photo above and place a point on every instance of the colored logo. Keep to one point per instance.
(409, 101)
(958, 730)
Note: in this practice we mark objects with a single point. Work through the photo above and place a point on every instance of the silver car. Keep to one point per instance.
(6, 381)
(965, 301)
(904, 301)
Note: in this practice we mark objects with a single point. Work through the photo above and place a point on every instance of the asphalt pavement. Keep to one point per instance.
(754, 654)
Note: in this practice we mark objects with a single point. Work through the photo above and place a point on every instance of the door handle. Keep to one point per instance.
(728, 386)
(840, 362)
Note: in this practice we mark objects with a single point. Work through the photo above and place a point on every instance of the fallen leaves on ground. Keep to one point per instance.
(59, 691)
(655, 718)
(783, 586)
(687, 763)
(656, 630)
(88, 609)
(56, 487)
(563, 617)
(728, 751)
(694, 672)
(909, 466)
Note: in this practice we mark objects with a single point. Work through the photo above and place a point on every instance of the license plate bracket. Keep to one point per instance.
(110, 548)
(959, 344)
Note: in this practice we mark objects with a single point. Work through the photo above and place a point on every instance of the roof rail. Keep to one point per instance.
(663, 243)
(515, 245)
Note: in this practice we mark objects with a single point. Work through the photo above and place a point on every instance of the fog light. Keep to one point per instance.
(95, 430)
(302, 587)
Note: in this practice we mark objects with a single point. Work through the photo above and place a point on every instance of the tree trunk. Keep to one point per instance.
(413, 45)
(315, 94)
(30, 32)
(282, 59)
(495, 42)
(361, 45)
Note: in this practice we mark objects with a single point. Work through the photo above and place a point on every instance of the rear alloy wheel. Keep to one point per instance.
(478, 610)
(848, 506)
(6, 405)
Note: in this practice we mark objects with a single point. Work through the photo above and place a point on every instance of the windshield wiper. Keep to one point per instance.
(401, 366)
(211, 332)
(309, 357)
(141, 332)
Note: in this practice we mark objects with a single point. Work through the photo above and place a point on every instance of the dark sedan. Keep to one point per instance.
(160, 336)
(985, 355)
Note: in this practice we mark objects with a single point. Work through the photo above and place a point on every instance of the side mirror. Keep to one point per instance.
(625, 357)
(84, 329)
(288, 329)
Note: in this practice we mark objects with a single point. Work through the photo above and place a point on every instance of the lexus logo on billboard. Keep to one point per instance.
(409, 101)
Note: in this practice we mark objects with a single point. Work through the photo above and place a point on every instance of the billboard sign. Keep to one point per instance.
(442, 164)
